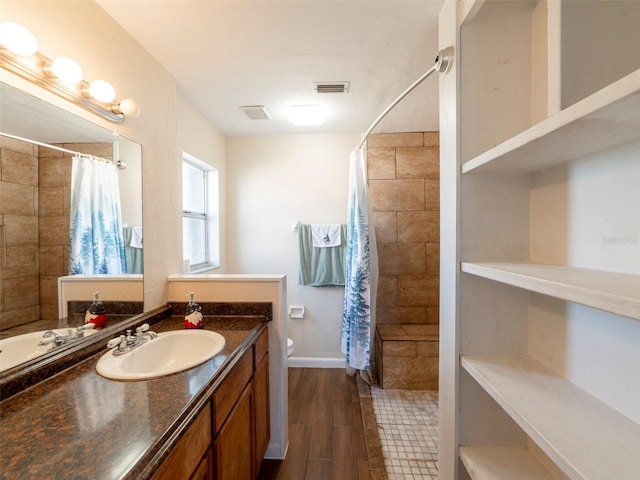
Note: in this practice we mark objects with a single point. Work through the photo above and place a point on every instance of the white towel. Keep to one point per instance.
(325, 235)
(136, 237)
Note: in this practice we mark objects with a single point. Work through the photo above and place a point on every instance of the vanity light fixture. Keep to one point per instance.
(306, 115)
(62, 76)
(127, 107)
(67, 70)
(17, 39)
(101, 90)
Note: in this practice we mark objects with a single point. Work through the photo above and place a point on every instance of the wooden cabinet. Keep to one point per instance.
(233, 446)
(239, 422)
(191, 452)
(242, 440)
(204, 471)
(539, 315)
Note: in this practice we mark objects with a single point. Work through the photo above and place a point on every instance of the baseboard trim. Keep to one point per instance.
(274, 452)
(310, 362)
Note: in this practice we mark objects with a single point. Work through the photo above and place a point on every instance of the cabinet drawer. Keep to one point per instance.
(189, 450)
(230, 389)
(260, 348)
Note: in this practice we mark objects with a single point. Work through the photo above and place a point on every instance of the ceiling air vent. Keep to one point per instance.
(331, 87)
(256, 112)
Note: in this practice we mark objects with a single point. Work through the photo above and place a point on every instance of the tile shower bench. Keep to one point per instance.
(407, 356)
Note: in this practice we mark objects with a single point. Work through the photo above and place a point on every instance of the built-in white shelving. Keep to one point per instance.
(555, 414)
(546, 137)
(606, 119)
(502, 463)
(610, 291)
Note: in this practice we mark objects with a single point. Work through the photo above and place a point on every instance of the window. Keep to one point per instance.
(200, 232)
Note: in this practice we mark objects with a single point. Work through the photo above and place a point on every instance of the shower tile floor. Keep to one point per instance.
(407, 422)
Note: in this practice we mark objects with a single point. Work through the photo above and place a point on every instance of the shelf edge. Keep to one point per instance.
(607, 96)
(611, 302)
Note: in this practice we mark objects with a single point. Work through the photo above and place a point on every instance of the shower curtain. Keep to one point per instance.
(96, 245)
(361, 272)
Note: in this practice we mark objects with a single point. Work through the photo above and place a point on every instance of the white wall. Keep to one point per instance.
(449, 241)
(130, 182)
(200, 139)
(273, 182)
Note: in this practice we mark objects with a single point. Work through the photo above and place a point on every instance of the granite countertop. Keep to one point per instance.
(79, 425)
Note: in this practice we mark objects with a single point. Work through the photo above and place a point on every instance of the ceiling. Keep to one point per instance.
(227, 54)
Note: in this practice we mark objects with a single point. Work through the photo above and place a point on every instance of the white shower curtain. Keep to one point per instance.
(96, 245)
(361, 272)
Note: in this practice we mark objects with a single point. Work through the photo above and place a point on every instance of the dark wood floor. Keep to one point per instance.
(326, 435)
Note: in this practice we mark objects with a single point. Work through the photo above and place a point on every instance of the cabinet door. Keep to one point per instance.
(233, 449)
(205, 468)
(184, 459)
(262, 426)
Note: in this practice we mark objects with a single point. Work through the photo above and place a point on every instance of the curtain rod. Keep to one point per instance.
(442, 65)
(118, 163)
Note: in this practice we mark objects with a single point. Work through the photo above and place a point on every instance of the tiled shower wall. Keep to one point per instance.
(404, 185)
(36, 183)
(19, 291)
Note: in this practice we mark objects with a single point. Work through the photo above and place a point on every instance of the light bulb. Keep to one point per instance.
(66, 70)
(17, 39)
(305, 115)
(102, 91)
(128, 108)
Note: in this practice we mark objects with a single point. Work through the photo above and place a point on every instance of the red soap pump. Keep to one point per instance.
(96, 313)
(193, 315)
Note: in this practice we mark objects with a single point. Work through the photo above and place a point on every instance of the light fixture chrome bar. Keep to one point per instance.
(442, 65)
(12, 64)
(118, 163)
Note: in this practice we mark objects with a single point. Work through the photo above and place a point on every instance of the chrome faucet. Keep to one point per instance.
(57, 339)
(54, 337)
(126, 343)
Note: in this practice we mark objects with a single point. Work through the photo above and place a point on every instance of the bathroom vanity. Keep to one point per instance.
(211, 421)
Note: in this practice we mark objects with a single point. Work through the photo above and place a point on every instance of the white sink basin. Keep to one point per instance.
(170, 352)
(21, 348)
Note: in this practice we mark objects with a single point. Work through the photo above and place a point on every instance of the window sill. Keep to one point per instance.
(206, 269)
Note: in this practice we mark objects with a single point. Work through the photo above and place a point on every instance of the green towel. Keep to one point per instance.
(134, 257)
(321, 266)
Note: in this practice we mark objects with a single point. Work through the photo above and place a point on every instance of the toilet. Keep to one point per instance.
(289, 347)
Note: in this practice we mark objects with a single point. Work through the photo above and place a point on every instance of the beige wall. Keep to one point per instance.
(275, 181)
(403, 172)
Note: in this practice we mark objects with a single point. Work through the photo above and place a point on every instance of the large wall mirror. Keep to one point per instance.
(41, 288)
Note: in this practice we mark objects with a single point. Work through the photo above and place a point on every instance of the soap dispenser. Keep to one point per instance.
(96, 313)
(193, 315)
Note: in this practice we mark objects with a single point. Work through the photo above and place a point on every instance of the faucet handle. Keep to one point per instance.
(142, 328)
(114, 342)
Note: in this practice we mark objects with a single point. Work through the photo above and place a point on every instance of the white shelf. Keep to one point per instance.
(610, 291)
(502, 463)
(584, 437)
(609, 118)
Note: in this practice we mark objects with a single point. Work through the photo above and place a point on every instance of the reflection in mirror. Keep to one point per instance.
(42, 290)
